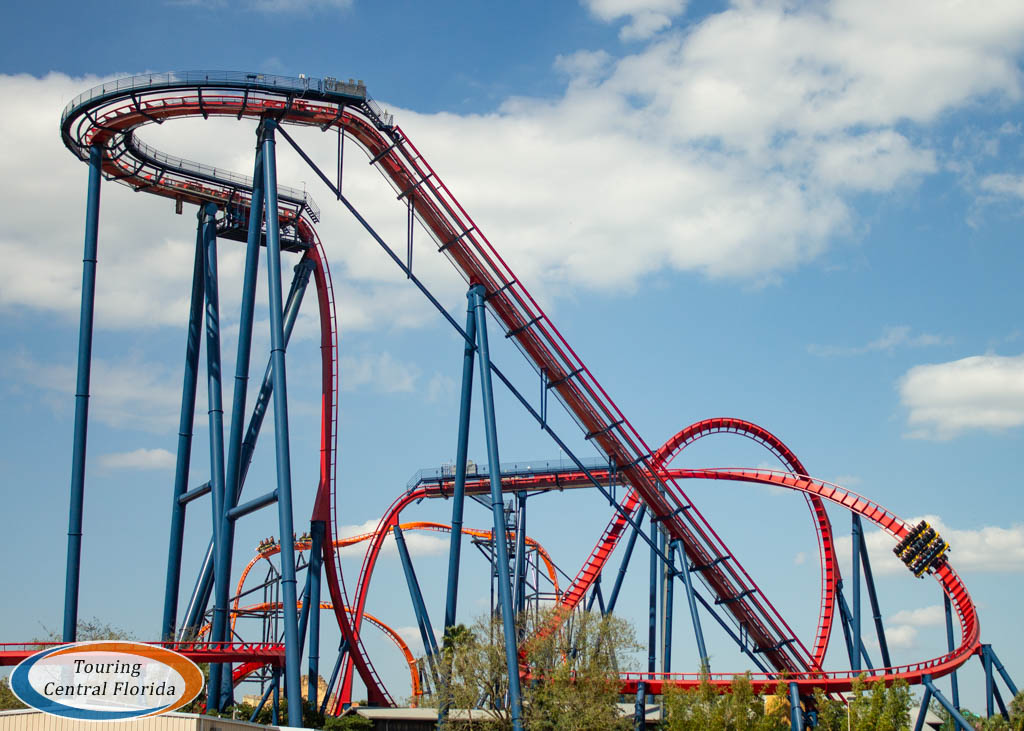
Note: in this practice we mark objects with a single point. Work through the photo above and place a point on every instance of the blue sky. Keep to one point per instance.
(802, 214)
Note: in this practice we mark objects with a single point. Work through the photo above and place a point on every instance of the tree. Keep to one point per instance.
(89, 630)
(571, 679)
(8, 701)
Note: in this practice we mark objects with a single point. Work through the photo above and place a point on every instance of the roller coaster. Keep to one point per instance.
(101, 128)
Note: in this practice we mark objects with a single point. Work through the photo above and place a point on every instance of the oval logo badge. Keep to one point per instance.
(107, 680)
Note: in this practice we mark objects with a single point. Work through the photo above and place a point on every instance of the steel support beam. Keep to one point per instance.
(508, 619)
(317, 530)
(955, 687)
(614, 597)
(215, 417)
(705, 660)
(193, 343)
(459, 495)
(281, 439)
(419, 608)
(233, 476)
(796, 716)
(200, 596)
(953, 711)
(520, 572)
(652, 597)
(77, 497)
(668, 609)
(876, 612)
(856, 537)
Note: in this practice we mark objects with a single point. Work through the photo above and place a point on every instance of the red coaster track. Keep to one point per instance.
(109, 115)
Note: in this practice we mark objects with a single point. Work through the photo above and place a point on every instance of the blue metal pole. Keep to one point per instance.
(652, 610)
(459, 495)
(705, 661)
(419, 608)
(955, 712)
(876, 612)
(185, 421)
(342, 649)
(796, 716)
(950, 643)
(640, 708)
(855, 538)
(284, 469)
(625, 560)
(923, 712)
(845, 621)
(233, 477)
(669, 583)
(208, 214)
(1002, 671)
(77, 499)
(497, 509)
(200, 596)
(520, 575)
(317, 530)
(266, 694)
(986, 662)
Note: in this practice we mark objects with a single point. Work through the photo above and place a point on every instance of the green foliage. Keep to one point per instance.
(8, 701)
(738, 710)
(348, 723)
(572, 667)
(88, 630)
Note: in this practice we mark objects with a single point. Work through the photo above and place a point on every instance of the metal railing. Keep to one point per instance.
(233, 79)
(508, 469)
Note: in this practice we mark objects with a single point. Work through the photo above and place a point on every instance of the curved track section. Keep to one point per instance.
(841, 681)
(829, 561)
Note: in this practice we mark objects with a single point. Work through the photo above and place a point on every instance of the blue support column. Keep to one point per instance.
(640, 708)
(855, 539)
(77, 499)
(208, 214)
(317, 531)
(284, 468)
(669, 583)
(705, 661)
(955, 712)
(1002, 672)
(520, 573)
(614, 597)
(233, 476)
(923, 711)
(652, 609)
(876, 612)
(796, 716)
(266, 694)
(342, 649)
(986, 663)
(497, 509)
(419, 608)
(203, 588)
(950, 643)
(185, 421)
(459, 495)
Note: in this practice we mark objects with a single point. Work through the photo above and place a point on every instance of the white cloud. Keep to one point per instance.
(138, 459)
(800, 558)
(901, 628)
(646, 17)
(131, 394)
(988, 549)
(684, 155)
(980, 392)
(1004, 185)
(892, 337)
(381, 372)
